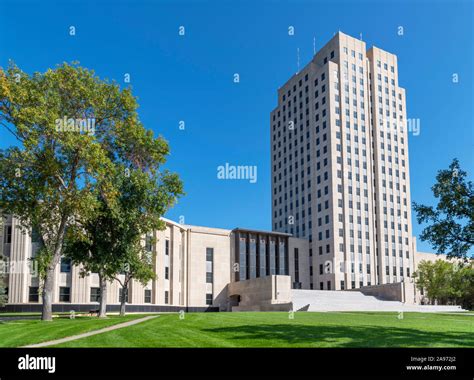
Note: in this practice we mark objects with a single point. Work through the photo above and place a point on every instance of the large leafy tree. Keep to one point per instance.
(137, 265)
(50, 179)
(464, 285)
(451, 223)
(113, 243)
(445, 282)
(435, 279)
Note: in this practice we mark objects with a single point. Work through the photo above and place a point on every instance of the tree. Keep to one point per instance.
(464, 285)
(434, 279)
(451, 223)
(111, 244)
(71, 129)
(138, 265)
(446, 282)
(93, 249)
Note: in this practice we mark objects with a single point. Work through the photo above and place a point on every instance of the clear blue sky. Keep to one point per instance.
(190, 78)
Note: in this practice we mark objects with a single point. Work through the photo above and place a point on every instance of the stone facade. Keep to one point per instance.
(340, 168)
(193, 265)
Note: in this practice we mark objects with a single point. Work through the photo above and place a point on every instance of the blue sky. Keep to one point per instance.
(190, 78)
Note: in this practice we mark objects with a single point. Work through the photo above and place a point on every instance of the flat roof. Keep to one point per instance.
(238, 229)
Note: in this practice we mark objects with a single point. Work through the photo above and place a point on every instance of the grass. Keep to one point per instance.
(23, 332)
(34, 314)
(278, 330)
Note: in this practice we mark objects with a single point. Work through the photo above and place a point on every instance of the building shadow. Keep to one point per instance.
(343, 336)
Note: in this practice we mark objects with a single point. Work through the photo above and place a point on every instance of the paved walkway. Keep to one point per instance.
(95, 332)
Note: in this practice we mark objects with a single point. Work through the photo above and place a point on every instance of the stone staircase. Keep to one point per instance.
(340, 300)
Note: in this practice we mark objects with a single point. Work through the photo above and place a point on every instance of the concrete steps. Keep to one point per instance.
(340, 300)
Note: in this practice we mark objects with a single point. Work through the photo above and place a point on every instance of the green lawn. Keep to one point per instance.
(23, 332)
(278, 330)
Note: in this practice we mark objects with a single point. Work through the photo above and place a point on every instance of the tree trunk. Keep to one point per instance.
(47, 311)
(124, 298)
(103, 297)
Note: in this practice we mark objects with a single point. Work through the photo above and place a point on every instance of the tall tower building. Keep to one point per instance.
(340, 172)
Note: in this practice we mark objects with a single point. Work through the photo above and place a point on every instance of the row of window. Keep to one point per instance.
(353, 283)
(65, 294)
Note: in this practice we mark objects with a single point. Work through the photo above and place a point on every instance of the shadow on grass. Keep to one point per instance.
(345, 336)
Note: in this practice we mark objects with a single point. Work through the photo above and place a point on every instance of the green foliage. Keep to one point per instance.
(57, 180)
(451, 223)
(112, 241)
(446, 282)
(464, 286)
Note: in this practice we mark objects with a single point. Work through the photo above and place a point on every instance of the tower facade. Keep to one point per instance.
(340, 171)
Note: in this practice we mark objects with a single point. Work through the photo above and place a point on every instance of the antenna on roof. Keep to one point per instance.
(298, 59)
(314, 45)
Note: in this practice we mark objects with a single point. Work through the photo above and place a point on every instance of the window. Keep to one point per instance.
(64, 294)
(167, 273)
(95, 294)
(147, 296)
(209, 298)
(166, 297)
(8, 235)
(209, 254)
(296, 262)
(209, 278)
(33, 295)
(65, 265)
(209, 265)
(148, 243)
(167, 247)
(35, 236)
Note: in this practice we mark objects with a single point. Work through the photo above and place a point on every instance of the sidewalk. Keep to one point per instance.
(91, 333)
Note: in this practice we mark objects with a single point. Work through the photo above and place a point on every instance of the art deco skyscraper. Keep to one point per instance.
(340, 172)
